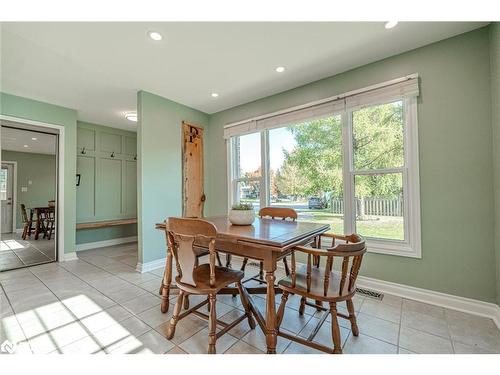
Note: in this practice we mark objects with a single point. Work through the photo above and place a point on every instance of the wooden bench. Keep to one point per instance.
(105, 224)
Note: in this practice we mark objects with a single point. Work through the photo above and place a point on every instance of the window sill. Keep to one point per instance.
(389, 248)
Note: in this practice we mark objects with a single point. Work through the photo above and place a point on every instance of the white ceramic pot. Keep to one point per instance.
(241, 217)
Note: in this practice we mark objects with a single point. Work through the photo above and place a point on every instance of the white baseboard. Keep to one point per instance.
(69, 256)
(98, 244)
(449, 301)
(150, 266)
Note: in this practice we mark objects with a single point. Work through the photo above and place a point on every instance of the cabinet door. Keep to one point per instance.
(85, 138)
(130, 146)
(111, 143)
(130, 188)
(109, 188)
(85, 202)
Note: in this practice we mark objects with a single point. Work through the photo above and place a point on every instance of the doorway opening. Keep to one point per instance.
(29, 195)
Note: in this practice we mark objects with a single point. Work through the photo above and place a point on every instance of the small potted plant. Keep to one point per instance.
(242, 214)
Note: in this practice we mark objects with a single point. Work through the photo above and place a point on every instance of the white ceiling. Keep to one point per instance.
(15, 139)
(97, 68)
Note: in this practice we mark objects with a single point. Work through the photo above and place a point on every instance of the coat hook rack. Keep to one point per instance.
(84, 151)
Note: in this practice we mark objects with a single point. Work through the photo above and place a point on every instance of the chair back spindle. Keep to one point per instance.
(350, 250)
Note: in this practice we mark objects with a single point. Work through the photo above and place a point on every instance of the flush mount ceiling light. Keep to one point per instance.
(391, 24)
(131, 117)
(34, 139)
(155, 35)
(26, 146)
(280, 69)
(214, 95)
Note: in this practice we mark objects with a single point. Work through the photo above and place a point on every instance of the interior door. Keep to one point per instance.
(6, 197)
(192, 171)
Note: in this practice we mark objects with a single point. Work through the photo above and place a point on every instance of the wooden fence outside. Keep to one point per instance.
(370, 206)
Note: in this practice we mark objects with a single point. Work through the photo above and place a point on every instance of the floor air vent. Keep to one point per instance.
(370, 293)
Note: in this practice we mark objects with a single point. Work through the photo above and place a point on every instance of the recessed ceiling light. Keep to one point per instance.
(215, 95)
(155, 35)
(34, 139)
(131, 117)
(391, 24)
(280, 69)
(25, 146)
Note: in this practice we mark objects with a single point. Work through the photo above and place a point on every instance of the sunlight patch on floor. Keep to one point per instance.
(11, 245)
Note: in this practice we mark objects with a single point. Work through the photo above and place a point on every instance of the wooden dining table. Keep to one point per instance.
(37, 212)
(266, 240)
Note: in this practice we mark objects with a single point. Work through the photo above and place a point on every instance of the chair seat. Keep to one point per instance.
(317, 290)
(201, 276)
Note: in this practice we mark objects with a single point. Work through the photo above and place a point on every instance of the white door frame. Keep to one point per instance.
(60, 176)
(14, 192)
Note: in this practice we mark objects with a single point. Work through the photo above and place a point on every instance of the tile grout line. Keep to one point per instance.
(16, 317)
(118, 303)
(72, 314)
(153, 328)
(400, 324)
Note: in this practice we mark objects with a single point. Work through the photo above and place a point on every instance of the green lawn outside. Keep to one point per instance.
(375, 226)
(378, 226)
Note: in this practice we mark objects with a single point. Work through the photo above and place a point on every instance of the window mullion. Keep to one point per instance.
(265, 181)
(347, 176)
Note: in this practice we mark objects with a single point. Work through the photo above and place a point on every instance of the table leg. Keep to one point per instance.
(37, 228)
(271, 334)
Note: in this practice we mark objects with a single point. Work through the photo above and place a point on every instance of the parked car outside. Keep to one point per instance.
(316, 203)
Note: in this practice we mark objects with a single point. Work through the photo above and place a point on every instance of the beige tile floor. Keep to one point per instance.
(100, 304)
(16, 252)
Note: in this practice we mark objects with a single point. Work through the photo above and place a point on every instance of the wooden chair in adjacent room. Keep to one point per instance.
(325, 285)
(205, 279)
(275, 213)
(27, 222)
(49, 217)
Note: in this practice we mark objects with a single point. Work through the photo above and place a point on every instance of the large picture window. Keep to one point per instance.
(354, 167)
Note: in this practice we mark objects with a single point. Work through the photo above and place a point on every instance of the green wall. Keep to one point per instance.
(16, 106)
(495, 106)
(108, 184)
(40, 169)
(159, 171)
(454, 116)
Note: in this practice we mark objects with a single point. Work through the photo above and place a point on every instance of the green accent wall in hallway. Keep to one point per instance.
(160, 167)
(106, 162)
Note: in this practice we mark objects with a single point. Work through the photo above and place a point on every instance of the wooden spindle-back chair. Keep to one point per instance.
(50, 221)
(275, 213)
(206, 279)
(325, 284)
(27, 222)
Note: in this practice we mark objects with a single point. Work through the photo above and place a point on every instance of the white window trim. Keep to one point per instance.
(411, 246)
